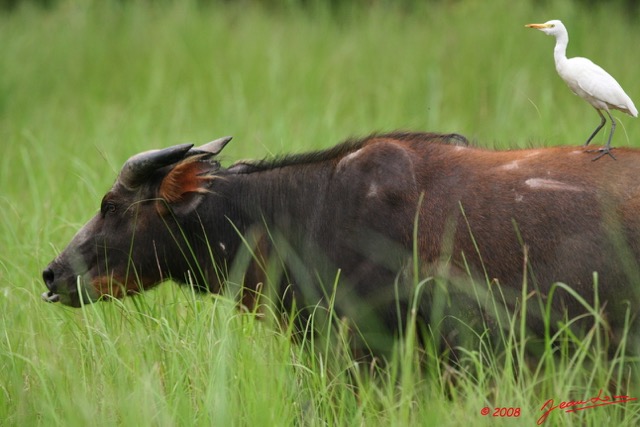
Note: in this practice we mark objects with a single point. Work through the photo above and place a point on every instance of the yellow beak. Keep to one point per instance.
(538, 26)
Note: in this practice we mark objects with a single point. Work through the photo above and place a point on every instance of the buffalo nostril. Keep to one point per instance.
(48, 277)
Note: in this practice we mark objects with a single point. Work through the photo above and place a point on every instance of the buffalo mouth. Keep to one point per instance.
(50, 296)
(65, 290)
(71, 299)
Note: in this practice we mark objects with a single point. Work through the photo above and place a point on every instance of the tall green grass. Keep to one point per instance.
(85, 85)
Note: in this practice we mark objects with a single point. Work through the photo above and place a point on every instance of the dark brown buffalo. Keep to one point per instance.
(348, 221)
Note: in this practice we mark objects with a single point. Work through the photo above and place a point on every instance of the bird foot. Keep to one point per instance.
(604, 151)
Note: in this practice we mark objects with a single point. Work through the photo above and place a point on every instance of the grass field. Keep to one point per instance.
(83, 86)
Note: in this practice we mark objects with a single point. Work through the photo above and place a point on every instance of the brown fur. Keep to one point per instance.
(116, 287)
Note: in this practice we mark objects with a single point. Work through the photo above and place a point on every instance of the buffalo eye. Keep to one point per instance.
(108, 207)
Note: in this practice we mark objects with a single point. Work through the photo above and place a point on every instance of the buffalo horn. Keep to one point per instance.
(211, 148)
(139, 167)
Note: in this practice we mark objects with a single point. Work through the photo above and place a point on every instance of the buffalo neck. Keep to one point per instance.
(289, 198)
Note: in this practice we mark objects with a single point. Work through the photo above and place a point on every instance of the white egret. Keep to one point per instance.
(588, 81)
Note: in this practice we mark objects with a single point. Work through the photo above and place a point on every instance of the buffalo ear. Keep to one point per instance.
(183, 186)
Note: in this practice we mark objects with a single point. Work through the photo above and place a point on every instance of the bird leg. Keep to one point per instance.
(606, 150)
(602, 122)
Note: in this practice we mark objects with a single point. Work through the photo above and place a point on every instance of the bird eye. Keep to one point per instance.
(552, 25)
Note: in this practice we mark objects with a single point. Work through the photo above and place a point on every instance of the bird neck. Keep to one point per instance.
(560, 51)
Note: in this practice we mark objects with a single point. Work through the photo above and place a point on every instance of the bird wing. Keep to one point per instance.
(599, 85)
